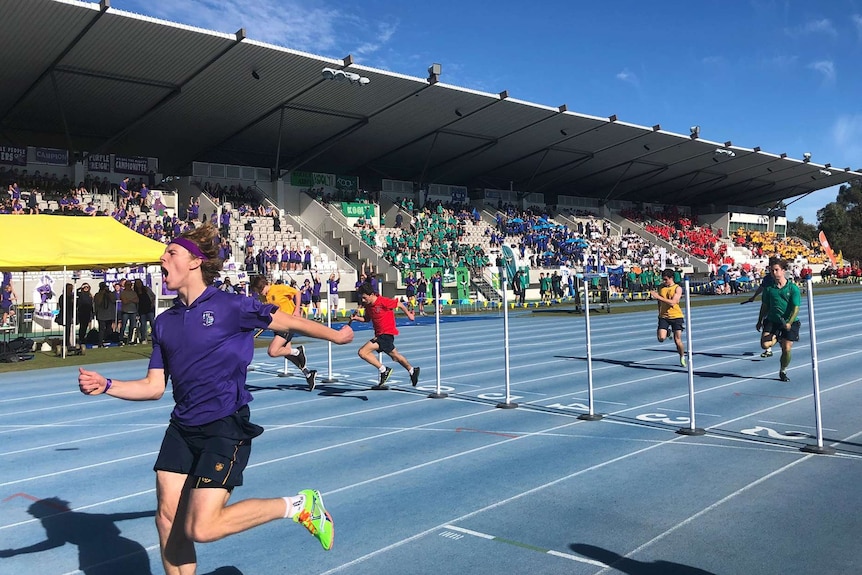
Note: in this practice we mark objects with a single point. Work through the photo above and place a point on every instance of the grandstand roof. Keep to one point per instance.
(91, 78)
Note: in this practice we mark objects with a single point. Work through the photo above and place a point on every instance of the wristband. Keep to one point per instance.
(108, 383)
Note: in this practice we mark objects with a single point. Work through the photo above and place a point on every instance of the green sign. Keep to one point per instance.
(353, 210)
(302, 179)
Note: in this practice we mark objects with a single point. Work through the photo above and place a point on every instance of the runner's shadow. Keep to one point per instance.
(666, 368)
(101, 548)
(743, 355)
(231, 570)
(331, 391)
(632, 566)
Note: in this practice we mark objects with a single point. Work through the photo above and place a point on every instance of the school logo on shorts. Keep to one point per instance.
(219, 466)
(208, 318)
(206, 479)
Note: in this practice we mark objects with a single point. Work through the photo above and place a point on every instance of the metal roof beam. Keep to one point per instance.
(466, 155)
(105, 146)
(315, 151)
(459, 117)
(103, 7)
(636, 159)
(550, 146)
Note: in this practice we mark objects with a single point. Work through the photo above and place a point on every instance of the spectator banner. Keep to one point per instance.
(13, 155)
(314, 180)
(828, 249)
(131, 165)
(347, 183)
(352, 210)
(302, 179)
(52, 156)
(99, 163)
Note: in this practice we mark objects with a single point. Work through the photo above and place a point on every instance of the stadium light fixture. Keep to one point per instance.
(806, 157)
(340, 75)
(826, 172)
(695, 132)
(726, 152)
(434, 71)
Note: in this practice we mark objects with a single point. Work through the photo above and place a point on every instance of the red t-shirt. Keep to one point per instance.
(382, 315)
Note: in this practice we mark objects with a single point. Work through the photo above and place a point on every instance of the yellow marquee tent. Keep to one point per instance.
(35, 243)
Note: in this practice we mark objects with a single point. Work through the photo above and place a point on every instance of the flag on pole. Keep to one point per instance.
(825, 243)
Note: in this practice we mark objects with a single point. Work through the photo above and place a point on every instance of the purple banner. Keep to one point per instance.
(131, 165)
(99, 163)
(52, 156)
(13, 155)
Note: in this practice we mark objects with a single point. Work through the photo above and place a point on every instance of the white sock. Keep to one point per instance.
(294, 351)
(382, 368)
(410, 371)
(293, 505)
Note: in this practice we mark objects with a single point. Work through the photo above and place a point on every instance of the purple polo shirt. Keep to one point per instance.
(205, 349)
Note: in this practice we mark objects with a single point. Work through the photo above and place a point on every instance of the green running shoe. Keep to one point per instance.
(316, 518)
(682, 360)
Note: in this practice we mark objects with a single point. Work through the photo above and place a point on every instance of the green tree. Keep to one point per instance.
(800, 229)
(841, 221)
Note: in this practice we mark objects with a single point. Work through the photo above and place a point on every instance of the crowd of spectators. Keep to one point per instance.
(434, 238)
(684, 233)
(788, 248)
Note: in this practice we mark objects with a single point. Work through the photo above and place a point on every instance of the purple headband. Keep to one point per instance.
(191, 246)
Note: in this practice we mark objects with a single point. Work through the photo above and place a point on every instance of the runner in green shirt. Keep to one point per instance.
(778, 316)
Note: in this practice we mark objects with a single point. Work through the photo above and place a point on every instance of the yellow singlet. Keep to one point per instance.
(282, 295)
(665, 310)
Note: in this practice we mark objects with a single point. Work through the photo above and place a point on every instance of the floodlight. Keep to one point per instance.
(806, 157)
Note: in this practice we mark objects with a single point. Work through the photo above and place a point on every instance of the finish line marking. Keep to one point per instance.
(524, 546)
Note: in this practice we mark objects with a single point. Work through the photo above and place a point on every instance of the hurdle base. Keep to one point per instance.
(329, 379)
(441, 395)
(282, 374)
(691, 431)
(816, 449)
(591, 417)
(505, 405)
(379, 387)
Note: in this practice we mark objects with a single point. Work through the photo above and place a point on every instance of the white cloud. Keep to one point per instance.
(824, 67)
(822, 26)
(320, 29)
(857, 22)
(628, 76)
(385, 31)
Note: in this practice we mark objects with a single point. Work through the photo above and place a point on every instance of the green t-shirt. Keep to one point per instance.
(779, 302)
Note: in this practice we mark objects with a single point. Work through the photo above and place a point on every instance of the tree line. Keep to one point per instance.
(840, 220)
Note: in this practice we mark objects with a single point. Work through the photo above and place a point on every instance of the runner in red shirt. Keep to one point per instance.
(380, 311)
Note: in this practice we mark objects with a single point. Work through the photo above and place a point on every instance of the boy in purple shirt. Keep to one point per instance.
(205, 342)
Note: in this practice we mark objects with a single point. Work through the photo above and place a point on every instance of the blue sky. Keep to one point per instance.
(782, 75)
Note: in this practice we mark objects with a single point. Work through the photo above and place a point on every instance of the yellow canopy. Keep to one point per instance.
(34, 243)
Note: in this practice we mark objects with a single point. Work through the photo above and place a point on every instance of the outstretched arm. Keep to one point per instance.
(407, 310)
(152, 386)
(285, 322)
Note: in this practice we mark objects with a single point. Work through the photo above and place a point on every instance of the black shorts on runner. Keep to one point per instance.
(385, 342)
(781, 332)
(214, 454)
(288, 335)
(672, 325)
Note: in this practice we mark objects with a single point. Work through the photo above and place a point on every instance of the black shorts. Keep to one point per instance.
(214, 454)
(677, 324)
(781, 332)
(288, 335)
(385, 342)
(315, 299)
